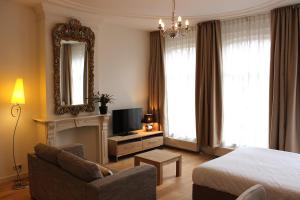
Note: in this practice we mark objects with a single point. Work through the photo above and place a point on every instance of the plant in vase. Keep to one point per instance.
(103, 99)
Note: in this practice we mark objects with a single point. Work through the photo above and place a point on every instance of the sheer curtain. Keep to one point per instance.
(180, 67)
(246, 66)
(77, 71)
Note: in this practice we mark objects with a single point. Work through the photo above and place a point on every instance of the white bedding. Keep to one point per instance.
(277, 171)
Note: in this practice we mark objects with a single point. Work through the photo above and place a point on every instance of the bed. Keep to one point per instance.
(230, 175)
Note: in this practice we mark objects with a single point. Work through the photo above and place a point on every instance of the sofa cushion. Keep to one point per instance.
(47, 153)
(104, 171)
(76, 149)
(82, 169)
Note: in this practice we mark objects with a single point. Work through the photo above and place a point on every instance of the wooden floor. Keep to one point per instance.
(179, 188)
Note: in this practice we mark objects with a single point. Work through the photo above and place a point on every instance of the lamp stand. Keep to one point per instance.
(16, 112)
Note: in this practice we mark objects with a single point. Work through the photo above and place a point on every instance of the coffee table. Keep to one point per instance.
(159, 158)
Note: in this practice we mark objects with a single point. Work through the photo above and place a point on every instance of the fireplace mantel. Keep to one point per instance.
(52, 127)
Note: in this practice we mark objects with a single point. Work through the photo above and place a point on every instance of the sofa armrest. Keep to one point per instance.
(134, 184)
(76, 149)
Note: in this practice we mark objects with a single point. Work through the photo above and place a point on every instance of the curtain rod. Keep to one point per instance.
(245, 16)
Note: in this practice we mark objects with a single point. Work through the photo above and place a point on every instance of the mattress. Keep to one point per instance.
(277, 171)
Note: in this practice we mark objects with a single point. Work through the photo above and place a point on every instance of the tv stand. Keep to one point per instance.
(136, 142)
(127, 134)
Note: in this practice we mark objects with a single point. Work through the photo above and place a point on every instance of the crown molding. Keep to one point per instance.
(263, 7)
(95, 17)
(48, 10)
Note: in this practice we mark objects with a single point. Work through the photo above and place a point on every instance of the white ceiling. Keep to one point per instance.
(143, 14)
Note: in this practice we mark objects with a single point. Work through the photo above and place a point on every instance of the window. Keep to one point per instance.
(180, 66)
(246, 64)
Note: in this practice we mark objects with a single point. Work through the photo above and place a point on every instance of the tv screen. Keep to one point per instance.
(127, 120)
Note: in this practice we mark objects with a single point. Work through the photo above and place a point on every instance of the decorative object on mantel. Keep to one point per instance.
(17, 99)
(72, 41)
(176, 29)
(103, 99)
(148, 120)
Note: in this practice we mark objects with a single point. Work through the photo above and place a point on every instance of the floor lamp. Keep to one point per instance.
(17, 99)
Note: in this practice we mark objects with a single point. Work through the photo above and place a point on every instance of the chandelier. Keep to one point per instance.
(176, 29)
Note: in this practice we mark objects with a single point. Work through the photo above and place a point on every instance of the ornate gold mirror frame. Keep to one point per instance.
(76, 32)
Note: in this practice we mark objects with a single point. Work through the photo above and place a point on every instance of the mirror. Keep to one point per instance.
(73, 73)
(73, 68)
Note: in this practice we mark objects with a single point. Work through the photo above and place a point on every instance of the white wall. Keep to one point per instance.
(121, 63)
(122, 71)
(18, 58)
(121, 67)
(122, 60)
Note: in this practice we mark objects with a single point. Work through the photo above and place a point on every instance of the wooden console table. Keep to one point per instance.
(142, 140)
(52, 127)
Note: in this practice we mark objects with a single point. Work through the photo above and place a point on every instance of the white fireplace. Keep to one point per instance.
(50, 129)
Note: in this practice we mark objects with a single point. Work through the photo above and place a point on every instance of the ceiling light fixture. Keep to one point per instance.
(176, 29)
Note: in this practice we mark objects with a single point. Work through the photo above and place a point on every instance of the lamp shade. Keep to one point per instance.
(18, 96)
(148, 118)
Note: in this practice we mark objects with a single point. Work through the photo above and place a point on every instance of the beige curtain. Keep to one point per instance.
(208, 84)
(284, 110)
(66, 73)
(156, 87)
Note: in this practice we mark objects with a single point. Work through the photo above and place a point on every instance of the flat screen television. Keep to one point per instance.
(127, 120)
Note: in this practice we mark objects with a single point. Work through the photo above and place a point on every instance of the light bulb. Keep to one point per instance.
(160, 22)
(179, 19)
(187, 22)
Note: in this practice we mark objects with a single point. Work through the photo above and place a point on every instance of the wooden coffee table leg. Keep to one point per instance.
(136, 161)
(178, 167)
(159, 169)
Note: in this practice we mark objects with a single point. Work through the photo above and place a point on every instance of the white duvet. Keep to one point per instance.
(277, 171)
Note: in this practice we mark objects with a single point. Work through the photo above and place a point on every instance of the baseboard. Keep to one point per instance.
(180, 144)
(11, 178)
(191, 146)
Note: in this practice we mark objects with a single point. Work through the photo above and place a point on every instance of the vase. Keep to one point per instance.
(103, 109)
